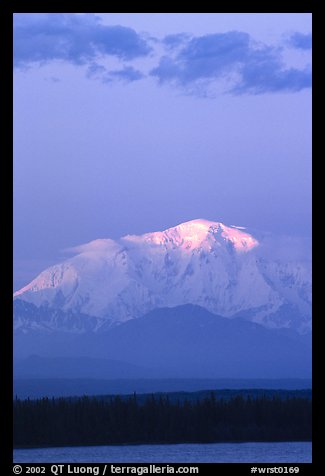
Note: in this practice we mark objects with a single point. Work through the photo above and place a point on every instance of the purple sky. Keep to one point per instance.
(127, 123)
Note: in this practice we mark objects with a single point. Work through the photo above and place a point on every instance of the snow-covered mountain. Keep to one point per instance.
(222, 268)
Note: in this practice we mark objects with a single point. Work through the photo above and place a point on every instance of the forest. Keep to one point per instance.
(87, 421)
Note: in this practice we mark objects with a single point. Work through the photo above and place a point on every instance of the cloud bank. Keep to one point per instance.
(78, 39)
(194, 64)
(255, 68)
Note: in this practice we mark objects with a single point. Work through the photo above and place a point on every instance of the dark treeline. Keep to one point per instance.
(91, 421)
(226, 394)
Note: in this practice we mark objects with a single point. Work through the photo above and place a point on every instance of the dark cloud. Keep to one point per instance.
(211, 55)
(264, 72)
(71, 37)
(256, 68)
(204, 57)
(300, 41)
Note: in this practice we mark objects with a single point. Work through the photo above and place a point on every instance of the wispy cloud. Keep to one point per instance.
(78, 39)
(127, 74)
(194, 64)
(175, 40)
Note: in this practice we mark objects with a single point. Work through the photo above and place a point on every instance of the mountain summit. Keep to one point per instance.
(199, 234)
(222, 268)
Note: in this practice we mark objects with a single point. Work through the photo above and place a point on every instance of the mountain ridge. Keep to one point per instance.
(185, 341)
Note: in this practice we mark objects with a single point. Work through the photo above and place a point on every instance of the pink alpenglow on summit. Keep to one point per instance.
(199, 233)
(222, 268)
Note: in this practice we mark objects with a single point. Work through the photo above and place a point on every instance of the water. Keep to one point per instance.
(287, 452)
